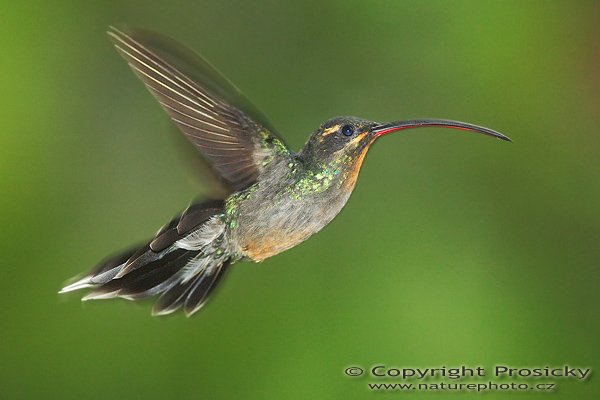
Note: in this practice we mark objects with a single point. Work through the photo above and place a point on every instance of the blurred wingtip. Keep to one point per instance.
(113, 31)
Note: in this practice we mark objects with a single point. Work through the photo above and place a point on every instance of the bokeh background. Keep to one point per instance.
(454, 249)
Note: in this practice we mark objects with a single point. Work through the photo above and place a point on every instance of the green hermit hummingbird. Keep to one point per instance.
(279, 197)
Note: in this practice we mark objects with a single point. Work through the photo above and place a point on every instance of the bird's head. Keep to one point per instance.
(345, 140)
(340, 138)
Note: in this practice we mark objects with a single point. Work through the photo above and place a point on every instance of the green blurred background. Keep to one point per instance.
(454, 249)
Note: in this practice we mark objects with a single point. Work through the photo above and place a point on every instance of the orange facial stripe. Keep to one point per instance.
(353, 175)
(357, 139)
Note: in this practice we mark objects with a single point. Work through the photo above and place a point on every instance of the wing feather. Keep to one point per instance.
(223, 126)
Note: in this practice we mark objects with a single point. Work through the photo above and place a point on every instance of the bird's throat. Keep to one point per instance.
(351, 176)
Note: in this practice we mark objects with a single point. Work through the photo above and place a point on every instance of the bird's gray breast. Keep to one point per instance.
(282, 210)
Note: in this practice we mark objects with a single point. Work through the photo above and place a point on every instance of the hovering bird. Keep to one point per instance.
(279, 197)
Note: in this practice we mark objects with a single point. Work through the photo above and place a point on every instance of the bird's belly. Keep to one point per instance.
(264, 246)
(269, 228)
(269, 223)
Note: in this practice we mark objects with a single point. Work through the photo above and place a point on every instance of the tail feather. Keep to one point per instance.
(202, 289)
(191, 294)
(148, 275)
(104, 272)
(172, 299)
(182, 264)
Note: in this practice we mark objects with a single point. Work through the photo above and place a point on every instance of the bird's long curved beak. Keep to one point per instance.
(384, 129)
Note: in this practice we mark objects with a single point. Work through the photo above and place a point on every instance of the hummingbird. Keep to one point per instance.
(278, 198)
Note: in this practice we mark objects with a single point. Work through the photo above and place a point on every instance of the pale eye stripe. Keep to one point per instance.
(159, 63)
(330, 130)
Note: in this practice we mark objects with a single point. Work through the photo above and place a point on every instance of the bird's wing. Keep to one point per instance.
(212, 113)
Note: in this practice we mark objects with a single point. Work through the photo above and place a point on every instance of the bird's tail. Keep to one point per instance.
(182, 264)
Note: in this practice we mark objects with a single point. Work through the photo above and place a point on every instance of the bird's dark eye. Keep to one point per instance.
(347, 130)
